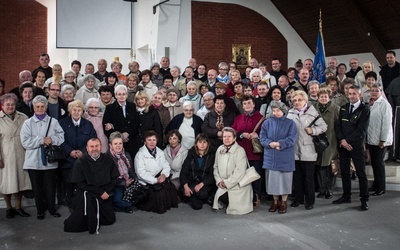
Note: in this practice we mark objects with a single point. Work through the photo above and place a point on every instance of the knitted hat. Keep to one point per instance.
(176, 91)
(279, 105)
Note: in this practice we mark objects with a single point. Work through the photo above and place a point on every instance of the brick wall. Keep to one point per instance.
(23, 37)
(216, 26)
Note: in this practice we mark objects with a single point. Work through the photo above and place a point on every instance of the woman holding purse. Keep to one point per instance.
(248, 127)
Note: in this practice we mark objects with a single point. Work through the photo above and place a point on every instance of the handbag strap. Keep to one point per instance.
(48, 127)
(312, 123)
(258, 124)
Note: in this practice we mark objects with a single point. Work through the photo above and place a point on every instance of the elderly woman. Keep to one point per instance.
(156, 76)
(148, 118)
(330, 113)
(154, 170)
(303, 115)
(13, 179)
(278, 137)
(337, 98)
(176, 74)
(94, 114)
(173, 105)
(69, 78)
(77, 131)
(67, 93)
(248, 126)
(255, 77)
(208, 105)
(126, 172)
(229, 168)
(379, 136)
(116, 68)
(216, 120)
(196, 177)
(192, 95)
(149, 87)
(88, 90)
(133, 87)
(175, 153)
(25, 104)
(370, 79)
(367, 66)
(38, 132)
(188, 124)
(163, 113)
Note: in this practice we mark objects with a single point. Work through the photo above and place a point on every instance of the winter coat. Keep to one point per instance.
(230, 167)
(305, 150)
(176, 163)
(284, 131)
(210, 129)
(13, 178)
(33, 132)
(246, 124)
(330, 116)
(380, 123)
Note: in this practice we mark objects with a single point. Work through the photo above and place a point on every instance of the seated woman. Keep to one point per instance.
(229, 168)
(175, 153)
(153, 170)
(196, 177)
(126, 173)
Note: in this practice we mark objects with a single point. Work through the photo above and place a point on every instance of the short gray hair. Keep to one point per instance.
(89, 77)
(119, 88)
(312, 82)
(40, 98)
(209, 94)
(115, 135)
(229, 129)
(92, 100)
(192, 83)
(66, 87)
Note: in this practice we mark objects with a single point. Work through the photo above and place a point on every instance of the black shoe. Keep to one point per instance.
(56, 215)
(321, 195)
(10, 213)
(295, 204)
(364, 205)
(372, 189)
(329, 195)
(379, 193)
(40, 216)
(341, 200)
(21, 213)
(353, 176)
(128, 210)
(309, 207)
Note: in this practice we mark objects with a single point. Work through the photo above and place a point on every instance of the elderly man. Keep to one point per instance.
(283, 82)
(134, 68)
(164, 69)
(212, 79)
(94, 176)
(253, 63)
(44, 60)
(25, 75)
(88, 90)
(354, 68)
(101, 70)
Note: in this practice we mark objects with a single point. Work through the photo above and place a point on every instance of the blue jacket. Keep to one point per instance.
(75, 138)
(280, 130)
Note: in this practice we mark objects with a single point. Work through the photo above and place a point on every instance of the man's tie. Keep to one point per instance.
(351, 108)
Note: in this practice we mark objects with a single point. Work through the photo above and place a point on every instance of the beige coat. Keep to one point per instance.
(231, 167)
(12, 177)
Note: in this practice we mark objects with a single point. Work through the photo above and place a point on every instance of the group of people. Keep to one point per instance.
(154, 138)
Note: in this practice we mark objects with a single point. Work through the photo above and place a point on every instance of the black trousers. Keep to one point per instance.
(325, 179)
(257, 184)
(358, 156)
(197, 199)
(304, 184)
(44, 188)
(68, 187)
(378, 166)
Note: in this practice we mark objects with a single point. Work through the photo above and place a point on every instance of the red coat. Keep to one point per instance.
(244, 123)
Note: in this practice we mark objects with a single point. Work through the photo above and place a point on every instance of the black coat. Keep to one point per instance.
(191, 170)
(149, 121)
(130, 124)
(353, 127)
(177, 121)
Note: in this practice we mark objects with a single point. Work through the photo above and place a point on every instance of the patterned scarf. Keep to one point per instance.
(220, 121)
(225, 149)
(323, 107)
(153, 151)
(123, 164)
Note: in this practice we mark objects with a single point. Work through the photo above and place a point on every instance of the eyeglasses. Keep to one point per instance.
(93, 107)
(55, 90)
(223, 69)
(188, 110)
(297, 100)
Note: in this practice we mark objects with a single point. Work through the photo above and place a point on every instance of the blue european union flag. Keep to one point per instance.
(319, 60)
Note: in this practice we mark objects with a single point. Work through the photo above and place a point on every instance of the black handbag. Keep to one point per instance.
(53, 153)
(320, 141)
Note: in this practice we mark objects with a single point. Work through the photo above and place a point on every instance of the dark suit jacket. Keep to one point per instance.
(353, 127)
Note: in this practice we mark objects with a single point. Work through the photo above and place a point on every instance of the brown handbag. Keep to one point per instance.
(257, 147)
